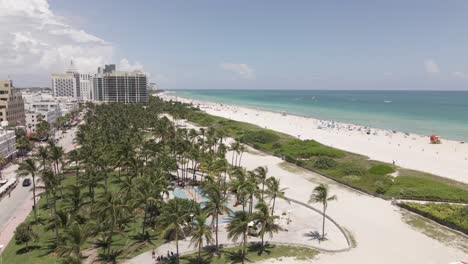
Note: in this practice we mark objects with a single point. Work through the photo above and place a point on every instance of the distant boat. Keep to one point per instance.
(387, 102)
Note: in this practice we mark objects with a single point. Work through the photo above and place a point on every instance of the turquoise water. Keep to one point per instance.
(422, 112)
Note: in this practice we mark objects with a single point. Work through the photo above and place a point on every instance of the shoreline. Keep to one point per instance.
(407, 150)
(407, 132)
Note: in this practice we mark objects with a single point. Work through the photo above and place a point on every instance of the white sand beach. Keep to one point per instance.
(412, 151)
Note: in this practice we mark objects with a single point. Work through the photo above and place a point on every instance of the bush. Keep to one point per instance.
(451, 215)
(381, 187)
(325, 163)
(276, 145)
(353, 169)
(381, 169)
(260, 136)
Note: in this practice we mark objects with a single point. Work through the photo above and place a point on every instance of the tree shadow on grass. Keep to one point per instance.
(51, 246)
(259, 249)
(236, 256)
(26, 249)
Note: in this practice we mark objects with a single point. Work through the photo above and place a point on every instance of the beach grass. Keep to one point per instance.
(354, 170)
(454, 216)
(254, 254)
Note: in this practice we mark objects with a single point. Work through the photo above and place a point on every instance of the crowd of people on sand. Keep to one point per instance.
(160, 258)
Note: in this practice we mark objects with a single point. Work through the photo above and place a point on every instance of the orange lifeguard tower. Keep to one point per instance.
(435, 139)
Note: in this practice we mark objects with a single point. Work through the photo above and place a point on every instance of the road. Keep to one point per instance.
(14, 209)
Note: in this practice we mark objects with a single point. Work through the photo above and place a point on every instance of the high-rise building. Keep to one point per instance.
(71, 84)
(85, 86)
(119, 86)
(11, 104)
(64, 84)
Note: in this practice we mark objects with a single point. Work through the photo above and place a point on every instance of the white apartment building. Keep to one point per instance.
(85, 86)
(64, 84)
(7, 143)
(34, 118)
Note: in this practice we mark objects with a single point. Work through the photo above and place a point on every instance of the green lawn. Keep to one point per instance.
(354, 170)
(254, 254)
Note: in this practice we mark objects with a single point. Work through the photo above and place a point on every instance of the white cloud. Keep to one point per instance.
(35, 42)
(243, 70)
(125, 65)
(431, 66)
(388, 74)
(460, 75)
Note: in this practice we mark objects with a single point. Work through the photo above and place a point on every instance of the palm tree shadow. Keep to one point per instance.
(236, 257)
(26, 249)
(257, 247)
(314, 235)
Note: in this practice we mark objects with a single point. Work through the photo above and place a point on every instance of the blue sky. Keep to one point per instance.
(283, 44)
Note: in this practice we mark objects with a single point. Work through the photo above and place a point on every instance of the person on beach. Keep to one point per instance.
(153, 253)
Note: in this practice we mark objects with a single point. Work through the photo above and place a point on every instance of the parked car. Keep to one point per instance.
(26, 182)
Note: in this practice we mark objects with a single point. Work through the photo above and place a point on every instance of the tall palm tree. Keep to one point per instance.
(321, 195)
(29, 167)
(261, 174)
(201, 231)
(265, 220)
(238, 227)
(173, 221)
(274, 191)
(216, 205)
(75, 236)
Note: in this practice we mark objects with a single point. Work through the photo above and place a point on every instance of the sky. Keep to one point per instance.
(242, 44)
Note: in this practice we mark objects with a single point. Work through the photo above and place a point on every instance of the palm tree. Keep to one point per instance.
(215, 205)
(261, 174)
(274, 191)
(75, 236)
(28, 167)
(201, 232)
(320, 195)
(173, 221)
(266, 220)
(238, 227)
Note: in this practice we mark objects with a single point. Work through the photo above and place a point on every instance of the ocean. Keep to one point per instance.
(423, 112)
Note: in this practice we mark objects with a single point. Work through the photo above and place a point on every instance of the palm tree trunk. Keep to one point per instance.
(34, 197)
(144, 222)
(199, 252)
(323, 223)
(243, 247)
(55, 220)
(273, 207)
(216, 231)
(177, 245)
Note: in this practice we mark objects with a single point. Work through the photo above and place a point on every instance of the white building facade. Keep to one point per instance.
(85, 86)
(7, 143)
(64, 84)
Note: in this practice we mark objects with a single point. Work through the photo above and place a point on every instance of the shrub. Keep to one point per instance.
(381, 169)
(260, 136)
(325, 163)
(276, 145)
(353, 169)
(381, 187)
